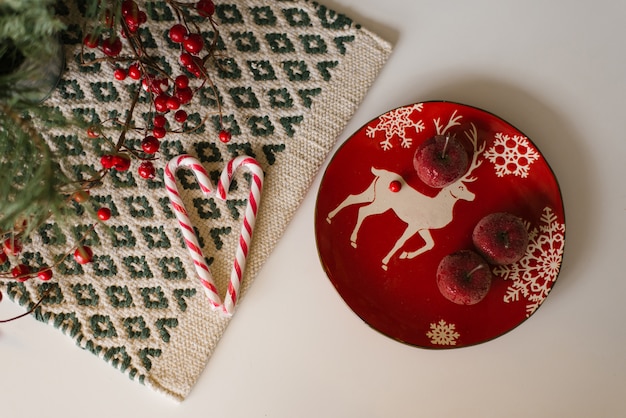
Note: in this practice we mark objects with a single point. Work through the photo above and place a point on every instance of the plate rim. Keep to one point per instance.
(328, 273)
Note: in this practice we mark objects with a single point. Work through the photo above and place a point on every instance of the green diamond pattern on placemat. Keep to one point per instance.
(290, 75)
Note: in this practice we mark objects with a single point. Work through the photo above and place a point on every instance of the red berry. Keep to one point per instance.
(119, 74)
(159, 86)
(146, 82)
(120, 162)
(12, 246)
(3, 258)
(132, 22)
(106, 161)
(194, 69)
(159, 121)
(159, 132)
(83, 255)
(92, 132)
(134, 72)
(21, 272)
(395, 186)
(0, 296)
(160, 103)
(146, 170)
(104, 214)
(91, 41)
(182, 81)
(44, 274)
(129, 7)
(180, 116)
(225, 136)
(186, 59)
(205, 8)
(173, 103)
(193, 43)
(197, 67)
(143, 17)
(178, 33)
(150, 145)
(112, 46)
(184, 95)
(81, 196)
(155, 88)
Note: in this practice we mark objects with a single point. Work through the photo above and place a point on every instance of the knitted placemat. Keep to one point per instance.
(292, 73)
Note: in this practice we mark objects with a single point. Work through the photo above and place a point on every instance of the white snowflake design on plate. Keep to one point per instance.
(511, 155)
(394, 124)
(534, 275)
(442, 333)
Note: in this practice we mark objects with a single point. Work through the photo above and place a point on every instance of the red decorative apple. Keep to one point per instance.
(440, 161)
(501, 238)
(464, 277)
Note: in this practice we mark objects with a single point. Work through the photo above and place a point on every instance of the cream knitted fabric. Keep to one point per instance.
(292, 73)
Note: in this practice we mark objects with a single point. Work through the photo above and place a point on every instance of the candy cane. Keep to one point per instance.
(191, 240)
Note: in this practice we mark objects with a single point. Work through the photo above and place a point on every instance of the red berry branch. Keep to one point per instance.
(168, 94)
(114, 32)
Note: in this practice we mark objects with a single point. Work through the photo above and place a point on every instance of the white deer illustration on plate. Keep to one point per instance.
(420, 212)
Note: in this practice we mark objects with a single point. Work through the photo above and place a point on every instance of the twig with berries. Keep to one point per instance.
(12, 248)
(166, 93)
(115, 33)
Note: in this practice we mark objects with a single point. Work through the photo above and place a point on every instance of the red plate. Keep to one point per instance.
(390, 282)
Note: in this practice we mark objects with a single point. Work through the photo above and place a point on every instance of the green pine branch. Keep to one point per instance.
(32, 186)
(31, 182)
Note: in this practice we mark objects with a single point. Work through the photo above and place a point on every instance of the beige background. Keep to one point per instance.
(555, 70)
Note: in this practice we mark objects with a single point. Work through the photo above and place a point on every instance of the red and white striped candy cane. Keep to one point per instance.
(191, 240)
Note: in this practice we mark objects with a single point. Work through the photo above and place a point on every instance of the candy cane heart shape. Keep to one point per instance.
(227, 306)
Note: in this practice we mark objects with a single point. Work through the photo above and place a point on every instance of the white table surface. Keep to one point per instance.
(554, 69)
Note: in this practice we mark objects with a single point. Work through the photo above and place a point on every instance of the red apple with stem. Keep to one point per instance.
(440, 161)
(501, 238)
(464, 277)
